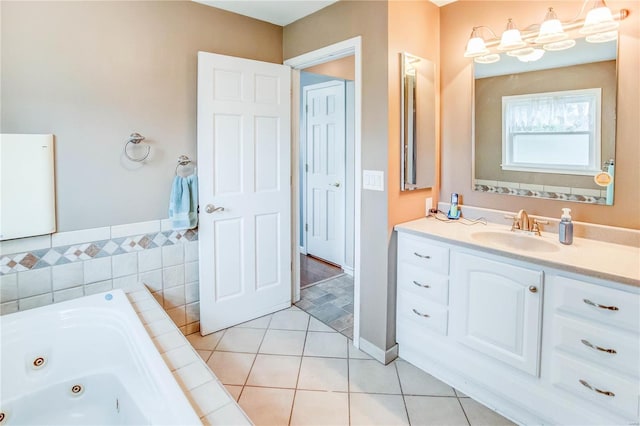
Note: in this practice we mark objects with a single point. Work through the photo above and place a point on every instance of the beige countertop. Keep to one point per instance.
(614, 262)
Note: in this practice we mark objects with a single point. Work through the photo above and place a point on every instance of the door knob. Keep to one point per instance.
(533, 289)
(210, 208)
(337, 184)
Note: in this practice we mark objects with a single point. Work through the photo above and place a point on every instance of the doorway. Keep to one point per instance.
(350, 271)
(326, 193)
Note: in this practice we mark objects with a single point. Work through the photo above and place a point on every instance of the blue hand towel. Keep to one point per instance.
(183, 204)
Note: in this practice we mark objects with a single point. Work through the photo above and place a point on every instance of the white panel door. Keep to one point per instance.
(496, 309)
(325, 169)
(244, 189)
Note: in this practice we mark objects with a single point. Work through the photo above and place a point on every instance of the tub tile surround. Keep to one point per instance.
(206, 394)
(41, 270)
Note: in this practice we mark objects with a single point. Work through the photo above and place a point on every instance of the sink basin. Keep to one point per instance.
(513, 240)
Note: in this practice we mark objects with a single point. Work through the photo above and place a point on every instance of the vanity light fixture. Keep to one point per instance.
(599, 26)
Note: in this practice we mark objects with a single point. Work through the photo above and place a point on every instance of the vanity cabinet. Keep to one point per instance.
(496, 309)
(537, 344)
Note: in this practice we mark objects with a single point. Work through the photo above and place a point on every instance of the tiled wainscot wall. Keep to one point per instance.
(41, 270)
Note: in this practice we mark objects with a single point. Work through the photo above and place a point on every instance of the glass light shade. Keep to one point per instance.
(559, 45)
(525, 51)
(476, 47)
(487, 59)
(551, 29)
(602, 37)
(599, 19)
(511, 39)
(533, 56)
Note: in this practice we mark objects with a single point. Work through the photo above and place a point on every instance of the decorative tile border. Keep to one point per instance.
(540, 194)
(35, 259)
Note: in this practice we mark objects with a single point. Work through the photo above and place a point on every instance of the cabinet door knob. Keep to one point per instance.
(600, 391)
(597, 305)
(599, 348)
(422, 256)
(420, 314)
(421, 285)
(533, 289)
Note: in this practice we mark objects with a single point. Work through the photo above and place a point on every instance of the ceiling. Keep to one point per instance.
(279, 12)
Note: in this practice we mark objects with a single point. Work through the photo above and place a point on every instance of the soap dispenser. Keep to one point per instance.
(565, 228)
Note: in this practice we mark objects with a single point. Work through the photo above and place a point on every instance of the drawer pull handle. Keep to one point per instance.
(592, 346)
(587, 385)
(597, 305)
(422, 285)
(422, 256)
(418, 313)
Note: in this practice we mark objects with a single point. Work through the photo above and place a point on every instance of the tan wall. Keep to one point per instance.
(93, 72)
(413, 28)
(341, 21)
(457, 19)
(343, 68)
(488, 118)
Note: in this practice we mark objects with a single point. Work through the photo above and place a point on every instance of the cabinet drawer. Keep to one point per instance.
(615, 393)
(421, 312)
(421, 252)
(602, 304)
(422, 282)
(611, 349)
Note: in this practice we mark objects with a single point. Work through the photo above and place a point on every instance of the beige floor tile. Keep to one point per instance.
(312, 408)
(267, 406)
(275, 371)
(371, 376)
(204, 354)
(283, 342)
(326, 344)
(460, 394)
(231, 368)
(326, 374)
(430, 410)
(355, 353)
(416, 382)
(234, 390)
(317, 325)
(479, 415)
(262, 322)
(290, 320)
(205, 343)
(241, 340)
(372, 409)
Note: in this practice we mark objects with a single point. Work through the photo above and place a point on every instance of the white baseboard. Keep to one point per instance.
(302, 250)
(348, 270)
(378, 354)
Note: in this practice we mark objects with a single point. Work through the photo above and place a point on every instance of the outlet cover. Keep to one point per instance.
(373, 180)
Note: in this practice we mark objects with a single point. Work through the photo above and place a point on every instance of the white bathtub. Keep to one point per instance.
(87, 361)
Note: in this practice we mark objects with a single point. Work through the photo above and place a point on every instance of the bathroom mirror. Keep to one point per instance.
(546, 128)
(418, 118)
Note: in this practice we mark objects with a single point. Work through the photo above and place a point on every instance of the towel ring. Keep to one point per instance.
(183, 161)
(135, 139)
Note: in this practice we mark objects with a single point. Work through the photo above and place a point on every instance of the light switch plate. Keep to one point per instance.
(373, 180)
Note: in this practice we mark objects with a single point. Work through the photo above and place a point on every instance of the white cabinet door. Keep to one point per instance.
(496, 309)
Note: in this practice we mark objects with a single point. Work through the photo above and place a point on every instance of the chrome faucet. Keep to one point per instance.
(522, 222)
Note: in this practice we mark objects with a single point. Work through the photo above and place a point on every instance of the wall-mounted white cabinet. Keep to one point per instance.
(538, 345)
(27, 190)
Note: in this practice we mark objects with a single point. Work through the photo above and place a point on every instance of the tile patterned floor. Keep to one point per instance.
(331, 301)
(290, 369)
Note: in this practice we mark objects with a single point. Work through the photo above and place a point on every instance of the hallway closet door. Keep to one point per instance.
(325, 170)
(244, 171)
